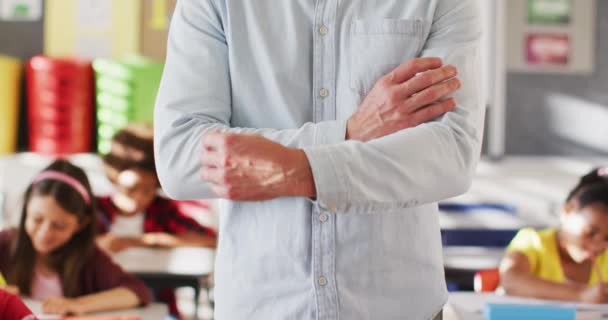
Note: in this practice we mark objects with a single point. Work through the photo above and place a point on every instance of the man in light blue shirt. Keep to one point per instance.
(330, 129)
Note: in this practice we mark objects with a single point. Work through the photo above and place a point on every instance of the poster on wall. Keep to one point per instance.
(549, 11)
(20, 10)
(551, 36)
(94, 14)
(548, 49)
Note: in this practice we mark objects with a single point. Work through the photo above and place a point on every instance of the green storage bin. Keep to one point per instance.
(126, 92)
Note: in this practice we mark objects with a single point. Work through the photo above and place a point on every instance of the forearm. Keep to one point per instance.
(114, 299)
(179, 150)
(188, 239)
(528, 285)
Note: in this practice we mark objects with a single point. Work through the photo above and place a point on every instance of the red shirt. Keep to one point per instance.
(163, 215)
(12, 308)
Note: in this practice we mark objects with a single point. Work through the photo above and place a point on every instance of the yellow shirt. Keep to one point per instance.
(2, 281)
(540, 246)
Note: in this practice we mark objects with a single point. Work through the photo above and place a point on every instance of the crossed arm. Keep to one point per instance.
(251, 167)
(390, 132)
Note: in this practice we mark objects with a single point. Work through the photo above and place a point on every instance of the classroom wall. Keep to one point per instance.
(549, 114)
(21, 39)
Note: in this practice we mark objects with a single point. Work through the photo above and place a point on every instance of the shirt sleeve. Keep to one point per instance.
(527, 242)
(419, 165)
(195, 97)
(12, 308)
(107, 275)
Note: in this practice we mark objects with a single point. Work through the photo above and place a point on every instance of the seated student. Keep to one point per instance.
(569, 262)
(11, 308)
(135, 215)
(52, 256)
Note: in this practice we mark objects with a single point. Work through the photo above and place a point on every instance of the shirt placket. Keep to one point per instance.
(324, 219)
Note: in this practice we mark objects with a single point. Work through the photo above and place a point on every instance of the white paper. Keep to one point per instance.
(476, 302)
(94, 14)
(20, 10)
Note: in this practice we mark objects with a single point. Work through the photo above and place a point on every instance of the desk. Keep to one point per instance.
(170, 268)
(472, 258)
(154, 311)
(469, 306)
(461, 264)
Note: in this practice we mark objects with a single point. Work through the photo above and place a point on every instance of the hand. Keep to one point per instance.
(113, 244)
(249, 168)
(597, 293)
(62, 306)
(159, 239)
(594, 294)
(409, 95)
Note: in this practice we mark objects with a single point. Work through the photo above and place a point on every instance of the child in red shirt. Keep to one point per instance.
(135, 215)
(12, 308)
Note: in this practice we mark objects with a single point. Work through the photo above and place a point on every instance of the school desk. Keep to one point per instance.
(153, 311)
(470, 306)
(170, 268)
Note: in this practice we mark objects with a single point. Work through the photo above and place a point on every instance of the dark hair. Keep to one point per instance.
(591, 188)
(132, 148)
(68, 260)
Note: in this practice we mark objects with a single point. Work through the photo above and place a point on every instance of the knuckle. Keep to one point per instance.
(224, 177)
(426, 79)
(414, 64)
(392, 96)
(388, 78)
(429, 95)
(225, 160)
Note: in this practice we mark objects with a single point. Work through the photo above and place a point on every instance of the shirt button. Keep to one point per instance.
(323, 217)
(323, 93)
(323, 30)
(322, 281)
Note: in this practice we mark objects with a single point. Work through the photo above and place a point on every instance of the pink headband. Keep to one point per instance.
(59, 176)
(603, 171)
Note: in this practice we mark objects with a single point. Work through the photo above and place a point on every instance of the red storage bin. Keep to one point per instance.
(60, 105)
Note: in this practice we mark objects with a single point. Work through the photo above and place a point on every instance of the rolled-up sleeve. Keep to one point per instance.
(195, 97)
(425, 164)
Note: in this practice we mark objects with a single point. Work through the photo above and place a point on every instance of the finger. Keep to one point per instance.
(211, 159)
(213, 175)
(213, 140)
(432, 111)
(432, 95)
(426, 80)
(219, 190)
(407, 70)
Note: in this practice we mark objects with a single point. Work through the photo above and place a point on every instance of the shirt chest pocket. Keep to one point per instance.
(378, 46)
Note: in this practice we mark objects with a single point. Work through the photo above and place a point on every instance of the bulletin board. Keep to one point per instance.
(551, 36)
(92, 28)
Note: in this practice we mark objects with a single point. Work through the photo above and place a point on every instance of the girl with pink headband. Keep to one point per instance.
(53, 257)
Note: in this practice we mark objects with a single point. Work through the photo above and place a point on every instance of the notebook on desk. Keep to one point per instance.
(477, 302)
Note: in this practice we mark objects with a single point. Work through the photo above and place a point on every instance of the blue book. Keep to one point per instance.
(528, 312)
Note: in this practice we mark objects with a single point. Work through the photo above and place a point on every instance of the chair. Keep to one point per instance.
(486, 280)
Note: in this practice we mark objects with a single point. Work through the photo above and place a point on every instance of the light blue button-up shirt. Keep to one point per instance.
(294, 71)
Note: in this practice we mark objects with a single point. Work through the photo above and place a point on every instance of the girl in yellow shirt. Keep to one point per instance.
(569, 262)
